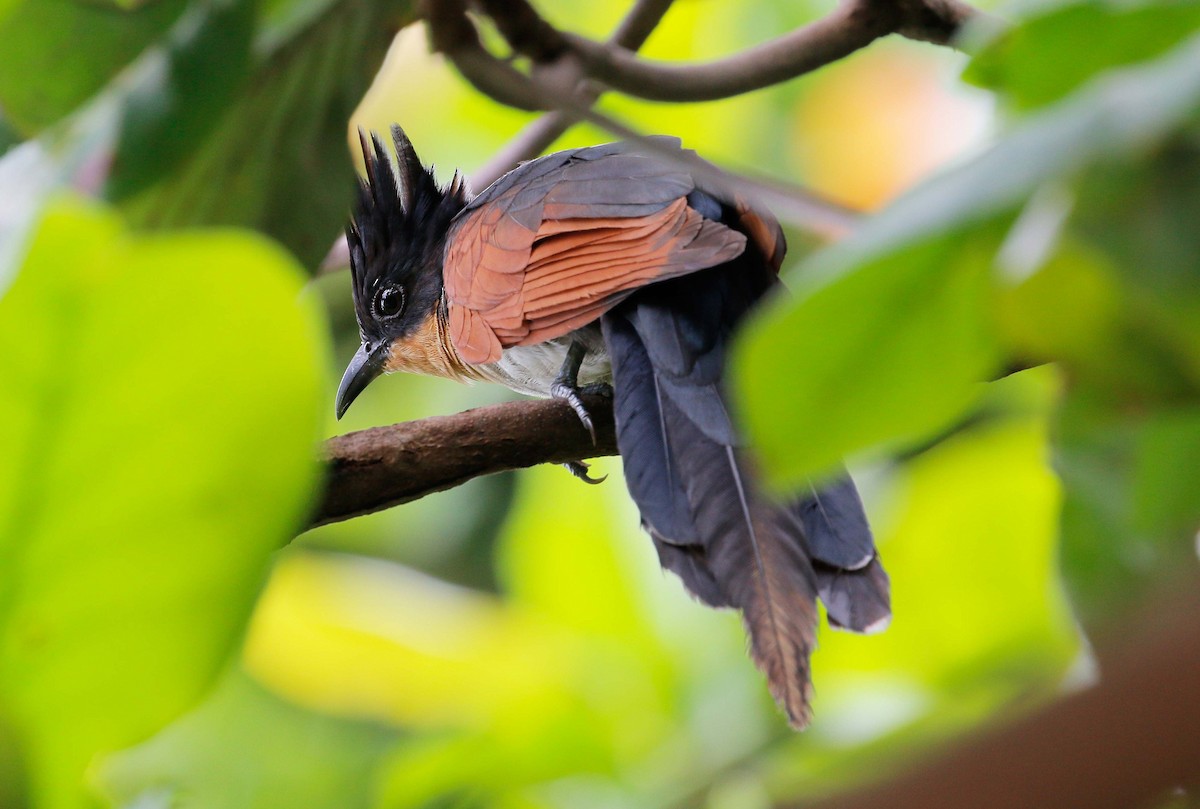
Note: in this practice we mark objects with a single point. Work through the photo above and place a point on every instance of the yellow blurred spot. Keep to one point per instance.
(875, 124)
(369, 638)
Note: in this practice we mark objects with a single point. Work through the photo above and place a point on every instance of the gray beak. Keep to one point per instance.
(366, 365)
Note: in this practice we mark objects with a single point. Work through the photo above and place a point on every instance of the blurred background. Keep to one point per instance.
(512, 642)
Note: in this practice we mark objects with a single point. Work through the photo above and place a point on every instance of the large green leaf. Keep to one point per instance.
(890, 329)
(277, 159)
(157, 421)
(58, 53)
(1026, 62)
(895, 350)
(245, 748)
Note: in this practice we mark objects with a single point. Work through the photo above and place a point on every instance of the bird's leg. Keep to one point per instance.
(566, 387)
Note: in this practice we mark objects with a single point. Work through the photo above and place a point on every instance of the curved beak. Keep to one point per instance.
(366, 365)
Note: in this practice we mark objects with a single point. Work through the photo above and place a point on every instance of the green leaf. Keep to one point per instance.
(59, 53)
(1026, 62)
(162, 399)
(247, 748)
(277, 160)
(284, 19)
(890, 328)
(180, 90)
(892, 351)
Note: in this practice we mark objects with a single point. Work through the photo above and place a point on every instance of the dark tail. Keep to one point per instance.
(694, 485)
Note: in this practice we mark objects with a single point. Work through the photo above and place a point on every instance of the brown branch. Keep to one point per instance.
(637, 26)
(524, 29)
(453, 33)
(1125, 742)
(851, 26)
(535, 138)
(382, 467)
(841, 33)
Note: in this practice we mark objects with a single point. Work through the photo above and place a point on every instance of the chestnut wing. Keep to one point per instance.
(552, 245)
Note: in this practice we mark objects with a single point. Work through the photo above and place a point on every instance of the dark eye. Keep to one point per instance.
(389, 302)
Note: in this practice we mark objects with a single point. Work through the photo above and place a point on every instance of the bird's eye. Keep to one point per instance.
(389, 302)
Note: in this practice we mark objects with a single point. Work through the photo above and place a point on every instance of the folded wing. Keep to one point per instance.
(554, 244)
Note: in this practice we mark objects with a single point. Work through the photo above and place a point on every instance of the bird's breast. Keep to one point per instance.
(531, 369)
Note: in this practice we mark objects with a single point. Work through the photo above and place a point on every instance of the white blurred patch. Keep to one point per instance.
(868, 709)
(1036, 232)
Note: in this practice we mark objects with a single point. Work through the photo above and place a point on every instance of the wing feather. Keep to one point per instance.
(550, 247)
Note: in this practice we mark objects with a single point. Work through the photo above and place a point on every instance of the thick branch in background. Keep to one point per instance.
(830, 38)
(851, 26)
(382, 467)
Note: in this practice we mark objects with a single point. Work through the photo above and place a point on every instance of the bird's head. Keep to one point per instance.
(396, 241)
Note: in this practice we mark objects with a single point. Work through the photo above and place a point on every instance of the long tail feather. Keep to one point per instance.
(697, 494)
(760, 568)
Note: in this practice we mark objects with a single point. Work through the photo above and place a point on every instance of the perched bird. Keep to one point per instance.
(608, 269)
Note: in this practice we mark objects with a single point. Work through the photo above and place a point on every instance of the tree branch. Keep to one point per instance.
(382, 467)
(853, 25)
(850, 27)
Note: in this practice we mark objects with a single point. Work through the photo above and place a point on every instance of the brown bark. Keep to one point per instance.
(374, 469)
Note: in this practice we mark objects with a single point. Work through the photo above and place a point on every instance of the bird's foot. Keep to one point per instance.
(580, 470)
(570, 393)
(566, 387)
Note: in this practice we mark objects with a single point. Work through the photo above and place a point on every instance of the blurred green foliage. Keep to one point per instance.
(135, 521)
(512, 643)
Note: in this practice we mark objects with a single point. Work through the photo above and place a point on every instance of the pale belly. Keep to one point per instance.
(531, 369)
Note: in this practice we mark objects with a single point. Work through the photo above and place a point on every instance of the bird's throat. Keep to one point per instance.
(428, 350)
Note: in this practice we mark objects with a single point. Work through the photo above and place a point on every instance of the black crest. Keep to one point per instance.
(397, 235)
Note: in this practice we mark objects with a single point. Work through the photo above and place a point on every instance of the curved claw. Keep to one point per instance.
(580, 470)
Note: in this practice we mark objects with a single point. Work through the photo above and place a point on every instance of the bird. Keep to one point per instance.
(612, 270)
